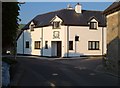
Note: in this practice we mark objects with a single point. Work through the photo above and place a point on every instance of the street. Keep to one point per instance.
(45, 72)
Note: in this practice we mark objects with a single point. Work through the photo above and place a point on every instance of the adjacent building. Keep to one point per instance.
(67, 32)
(113, 35)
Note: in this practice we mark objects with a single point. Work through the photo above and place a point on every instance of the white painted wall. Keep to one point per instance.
(36, 36)
(20, 44)
(48, 36)
(30, 36)
(85, 35)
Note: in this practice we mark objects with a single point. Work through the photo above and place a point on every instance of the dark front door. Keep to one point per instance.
(59, 48)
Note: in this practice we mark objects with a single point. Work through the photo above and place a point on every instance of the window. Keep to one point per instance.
(56, 25)
(46, 44)
(76, 38)
(37, 44)
(93, 25)
(32, 27)
(27, 44)
(70, 45)
(93, 45)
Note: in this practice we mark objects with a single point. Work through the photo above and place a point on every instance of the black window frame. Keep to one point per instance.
(91, 45)
(37, 44)
(70, 45)
(56, 23)
(27, 44)
(92, 25)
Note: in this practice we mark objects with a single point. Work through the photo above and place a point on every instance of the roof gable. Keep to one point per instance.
(56, 18)
(93, 19)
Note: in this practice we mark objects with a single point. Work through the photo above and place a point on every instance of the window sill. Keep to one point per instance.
(93, 29)
(93, 49)
(37, 48)
(71, 49)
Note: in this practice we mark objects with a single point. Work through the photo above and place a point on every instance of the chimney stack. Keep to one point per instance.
(78, 8)
(69, 6)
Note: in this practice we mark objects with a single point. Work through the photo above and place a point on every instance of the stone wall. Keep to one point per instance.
(113, 40)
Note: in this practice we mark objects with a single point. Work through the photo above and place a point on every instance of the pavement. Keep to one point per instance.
(43, 71)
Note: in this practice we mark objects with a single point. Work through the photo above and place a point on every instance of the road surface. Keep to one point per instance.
(43, 72)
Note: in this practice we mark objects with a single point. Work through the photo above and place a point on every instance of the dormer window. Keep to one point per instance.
(93, 25)
(32, 27)
(56, 25)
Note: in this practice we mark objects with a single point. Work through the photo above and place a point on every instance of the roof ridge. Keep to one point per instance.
(51, 12)
(66, 9)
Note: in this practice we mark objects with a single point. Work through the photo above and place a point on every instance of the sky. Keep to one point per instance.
(31, 9)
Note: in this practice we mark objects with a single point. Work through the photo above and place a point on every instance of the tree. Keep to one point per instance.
(10, 12)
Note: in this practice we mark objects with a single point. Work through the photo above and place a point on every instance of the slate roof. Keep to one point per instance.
(69, 17)
(112, 8)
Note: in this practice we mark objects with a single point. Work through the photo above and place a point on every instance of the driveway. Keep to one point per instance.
(53, 72)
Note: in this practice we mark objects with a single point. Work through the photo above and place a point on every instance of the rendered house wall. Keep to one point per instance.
(30, 36)
(85, 35)
(81, 47)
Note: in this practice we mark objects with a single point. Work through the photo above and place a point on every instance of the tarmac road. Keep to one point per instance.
(43, 72)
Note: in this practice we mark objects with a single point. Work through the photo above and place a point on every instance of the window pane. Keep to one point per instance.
(97, 45)
(89, 45)
(37, 44)
(93, 45)
(32, 27)
(27, 44)
(56, 25)
(70, 45)
(93, 25)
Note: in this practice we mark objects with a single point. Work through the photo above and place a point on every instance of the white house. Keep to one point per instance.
(64, 33)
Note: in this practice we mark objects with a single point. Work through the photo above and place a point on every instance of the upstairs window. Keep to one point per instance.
(37, 44)
(27, 44)
(93, 25)
(56, 25)
(32, 27)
